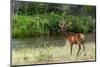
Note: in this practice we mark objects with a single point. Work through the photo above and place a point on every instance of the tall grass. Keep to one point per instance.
(52, 54)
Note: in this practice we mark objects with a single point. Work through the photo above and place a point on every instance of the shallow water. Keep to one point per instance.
(36, 42)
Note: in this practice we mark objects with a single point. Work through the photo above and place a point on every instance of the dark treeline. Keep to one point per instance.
(31, 8)
(36, 19)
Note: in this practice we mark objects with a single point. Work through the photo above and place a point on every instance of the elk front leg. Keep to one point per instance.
(71, 48)
(79, 46)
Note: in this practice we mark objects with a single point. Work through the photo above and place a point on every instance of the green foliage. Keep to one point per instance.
(40, 24)
(31, 8)
(38, 19)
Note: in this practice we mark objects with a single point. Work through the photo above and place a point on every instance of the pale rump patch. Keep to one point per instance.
(82, 36)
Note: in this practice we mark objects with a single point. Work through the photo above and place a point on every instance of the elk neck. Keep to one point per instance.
(65, 33)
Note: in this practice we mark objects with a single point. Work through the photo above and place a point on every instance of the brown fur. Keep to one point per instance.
(73, 38)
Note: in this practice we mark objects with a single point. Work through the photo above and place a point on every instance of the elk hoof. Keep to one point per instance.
(84, 54)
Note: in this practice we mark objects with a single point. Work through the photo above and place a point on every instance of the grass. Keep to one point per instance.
(51, 54)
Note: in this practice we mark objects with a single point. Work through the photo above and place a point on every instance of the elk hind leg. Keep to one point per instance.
(84, 49)
(79, 46)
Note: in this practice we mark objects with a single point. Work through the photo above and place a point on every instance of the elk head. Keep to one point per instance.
(63, 26)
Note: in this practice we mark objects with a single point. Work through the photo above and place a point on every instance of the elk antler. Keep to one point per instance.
(69, 24)
(62, 24)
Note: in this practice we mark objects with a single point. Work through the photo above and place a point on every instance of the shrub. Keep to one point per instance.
(40, 24)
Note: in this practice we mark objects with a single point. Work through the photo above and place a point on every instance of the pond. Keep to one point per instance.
(36, 42)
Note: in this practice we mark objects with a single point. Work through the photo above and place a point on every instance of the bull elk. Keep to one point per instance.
(73, 38)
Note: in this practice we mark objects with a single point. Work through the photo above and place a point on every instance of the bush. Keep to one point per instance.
(40, 24)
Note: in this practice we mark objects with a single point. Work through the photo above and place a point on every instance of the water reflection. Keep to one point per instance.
(37, 42)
